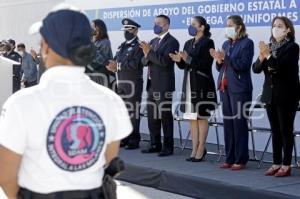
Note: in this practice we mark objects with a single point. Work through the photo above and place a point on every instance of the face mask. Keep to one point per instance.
(21, 53)
(230, 32)
(157, 29)
(128, 35)
(192, 31)
(278, 33)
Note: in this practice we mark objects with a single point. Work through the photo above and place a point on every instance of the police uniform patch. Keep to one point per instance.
(76, 138)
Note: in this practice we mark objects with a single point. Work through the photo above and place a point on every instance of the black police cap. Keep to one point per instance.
(129, 24)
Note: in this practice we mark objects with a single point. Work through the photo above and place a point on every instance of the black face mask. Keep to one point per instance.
(128, 35)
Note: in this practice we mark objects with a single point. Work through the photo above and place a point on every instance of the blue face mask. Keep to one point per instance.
(192, 31)
(157, 29)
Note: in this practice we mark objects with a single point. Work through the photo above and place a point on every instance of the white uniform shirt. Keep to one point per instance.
(62, 127)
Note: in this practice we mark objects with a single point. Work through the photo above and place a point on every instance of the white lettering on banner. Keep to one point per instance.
(221, 8)
(122, 14)
(266, 5)
(254, 12)
(166, 11)
(268, 17)
(293, 4)
(212, 20)
(189, 10)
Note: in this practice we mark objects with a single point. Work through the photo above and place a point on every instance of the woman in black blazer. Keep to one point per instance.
(199, 91)
(279, 62)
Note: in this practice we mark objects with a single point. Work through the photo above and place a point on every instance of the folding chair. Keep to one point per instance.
(296, 135)
(143, 114)
(255, 106)
(212, 122)
(179, 119)
(267, 130)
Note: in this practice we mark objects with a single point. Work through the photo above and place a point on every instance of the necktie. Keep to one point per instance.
(156, 45)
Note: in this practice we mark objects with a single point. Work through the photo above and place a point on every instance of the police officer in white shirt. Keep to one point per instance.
(57, 137)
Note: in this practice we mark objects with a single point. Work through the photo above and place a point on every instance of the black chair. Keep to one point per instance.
(144, 114)
(257, 105)
(296, 135)
(179, 119)
(268, 130)
(212, 122)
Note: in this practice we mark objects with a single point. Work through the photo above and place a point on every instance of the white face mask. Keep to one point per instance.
(21, 53)
(230, 32)
(278, 33)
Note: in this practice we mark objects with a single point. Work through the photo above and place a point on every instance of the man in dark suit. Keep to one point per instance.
(129, 68)
(160, 86)
(13, 55)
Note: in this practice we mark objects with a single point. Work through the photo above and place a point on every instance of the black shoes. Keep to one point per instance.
(152, 149)
(193, 159)
(190, 159)
(165, 152)
(202, 158)
(123, 144)
(132, 145)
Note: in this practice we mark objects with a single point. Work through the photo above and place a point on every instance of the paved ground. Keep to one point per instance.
(131, 191)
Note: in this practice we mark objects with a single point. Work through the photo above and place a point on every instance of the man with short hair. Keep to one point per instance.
(160, 86)
(10, 53)
(28, 66)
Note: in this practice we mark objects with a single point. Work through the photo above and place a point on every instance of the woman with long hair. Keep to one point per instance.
(234, 63)
(97, 69)
(279, 62)
(199, 91)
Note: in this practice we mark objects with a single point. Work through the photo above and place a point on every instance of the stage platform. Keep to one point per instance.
(206, 180)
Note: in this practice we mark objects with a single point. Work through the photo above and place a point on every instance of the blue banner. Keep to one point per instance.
(254, 13)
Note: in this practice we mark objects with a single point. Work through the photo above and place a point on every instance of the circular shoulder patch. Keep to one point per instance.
(76, 138)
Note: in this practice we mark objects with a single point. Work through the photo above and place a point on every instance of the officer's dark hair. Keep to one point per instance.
(21, 45)
(202, 21)
(102, 28)
(164, 17)
(12, 42)
(238, 21)
(82, 55)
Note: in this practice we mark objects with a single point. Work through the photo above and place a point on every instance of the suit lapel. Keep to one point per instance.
(163, 41)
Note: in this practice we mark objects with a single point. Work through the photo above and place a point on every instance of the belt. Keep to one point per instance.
(86, 194)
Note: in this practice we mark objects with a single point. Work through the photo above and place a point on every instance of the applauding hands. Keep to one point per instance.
(218, 55)
(146, 47)
(112, 66)
(264, 51)
(178, 56)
